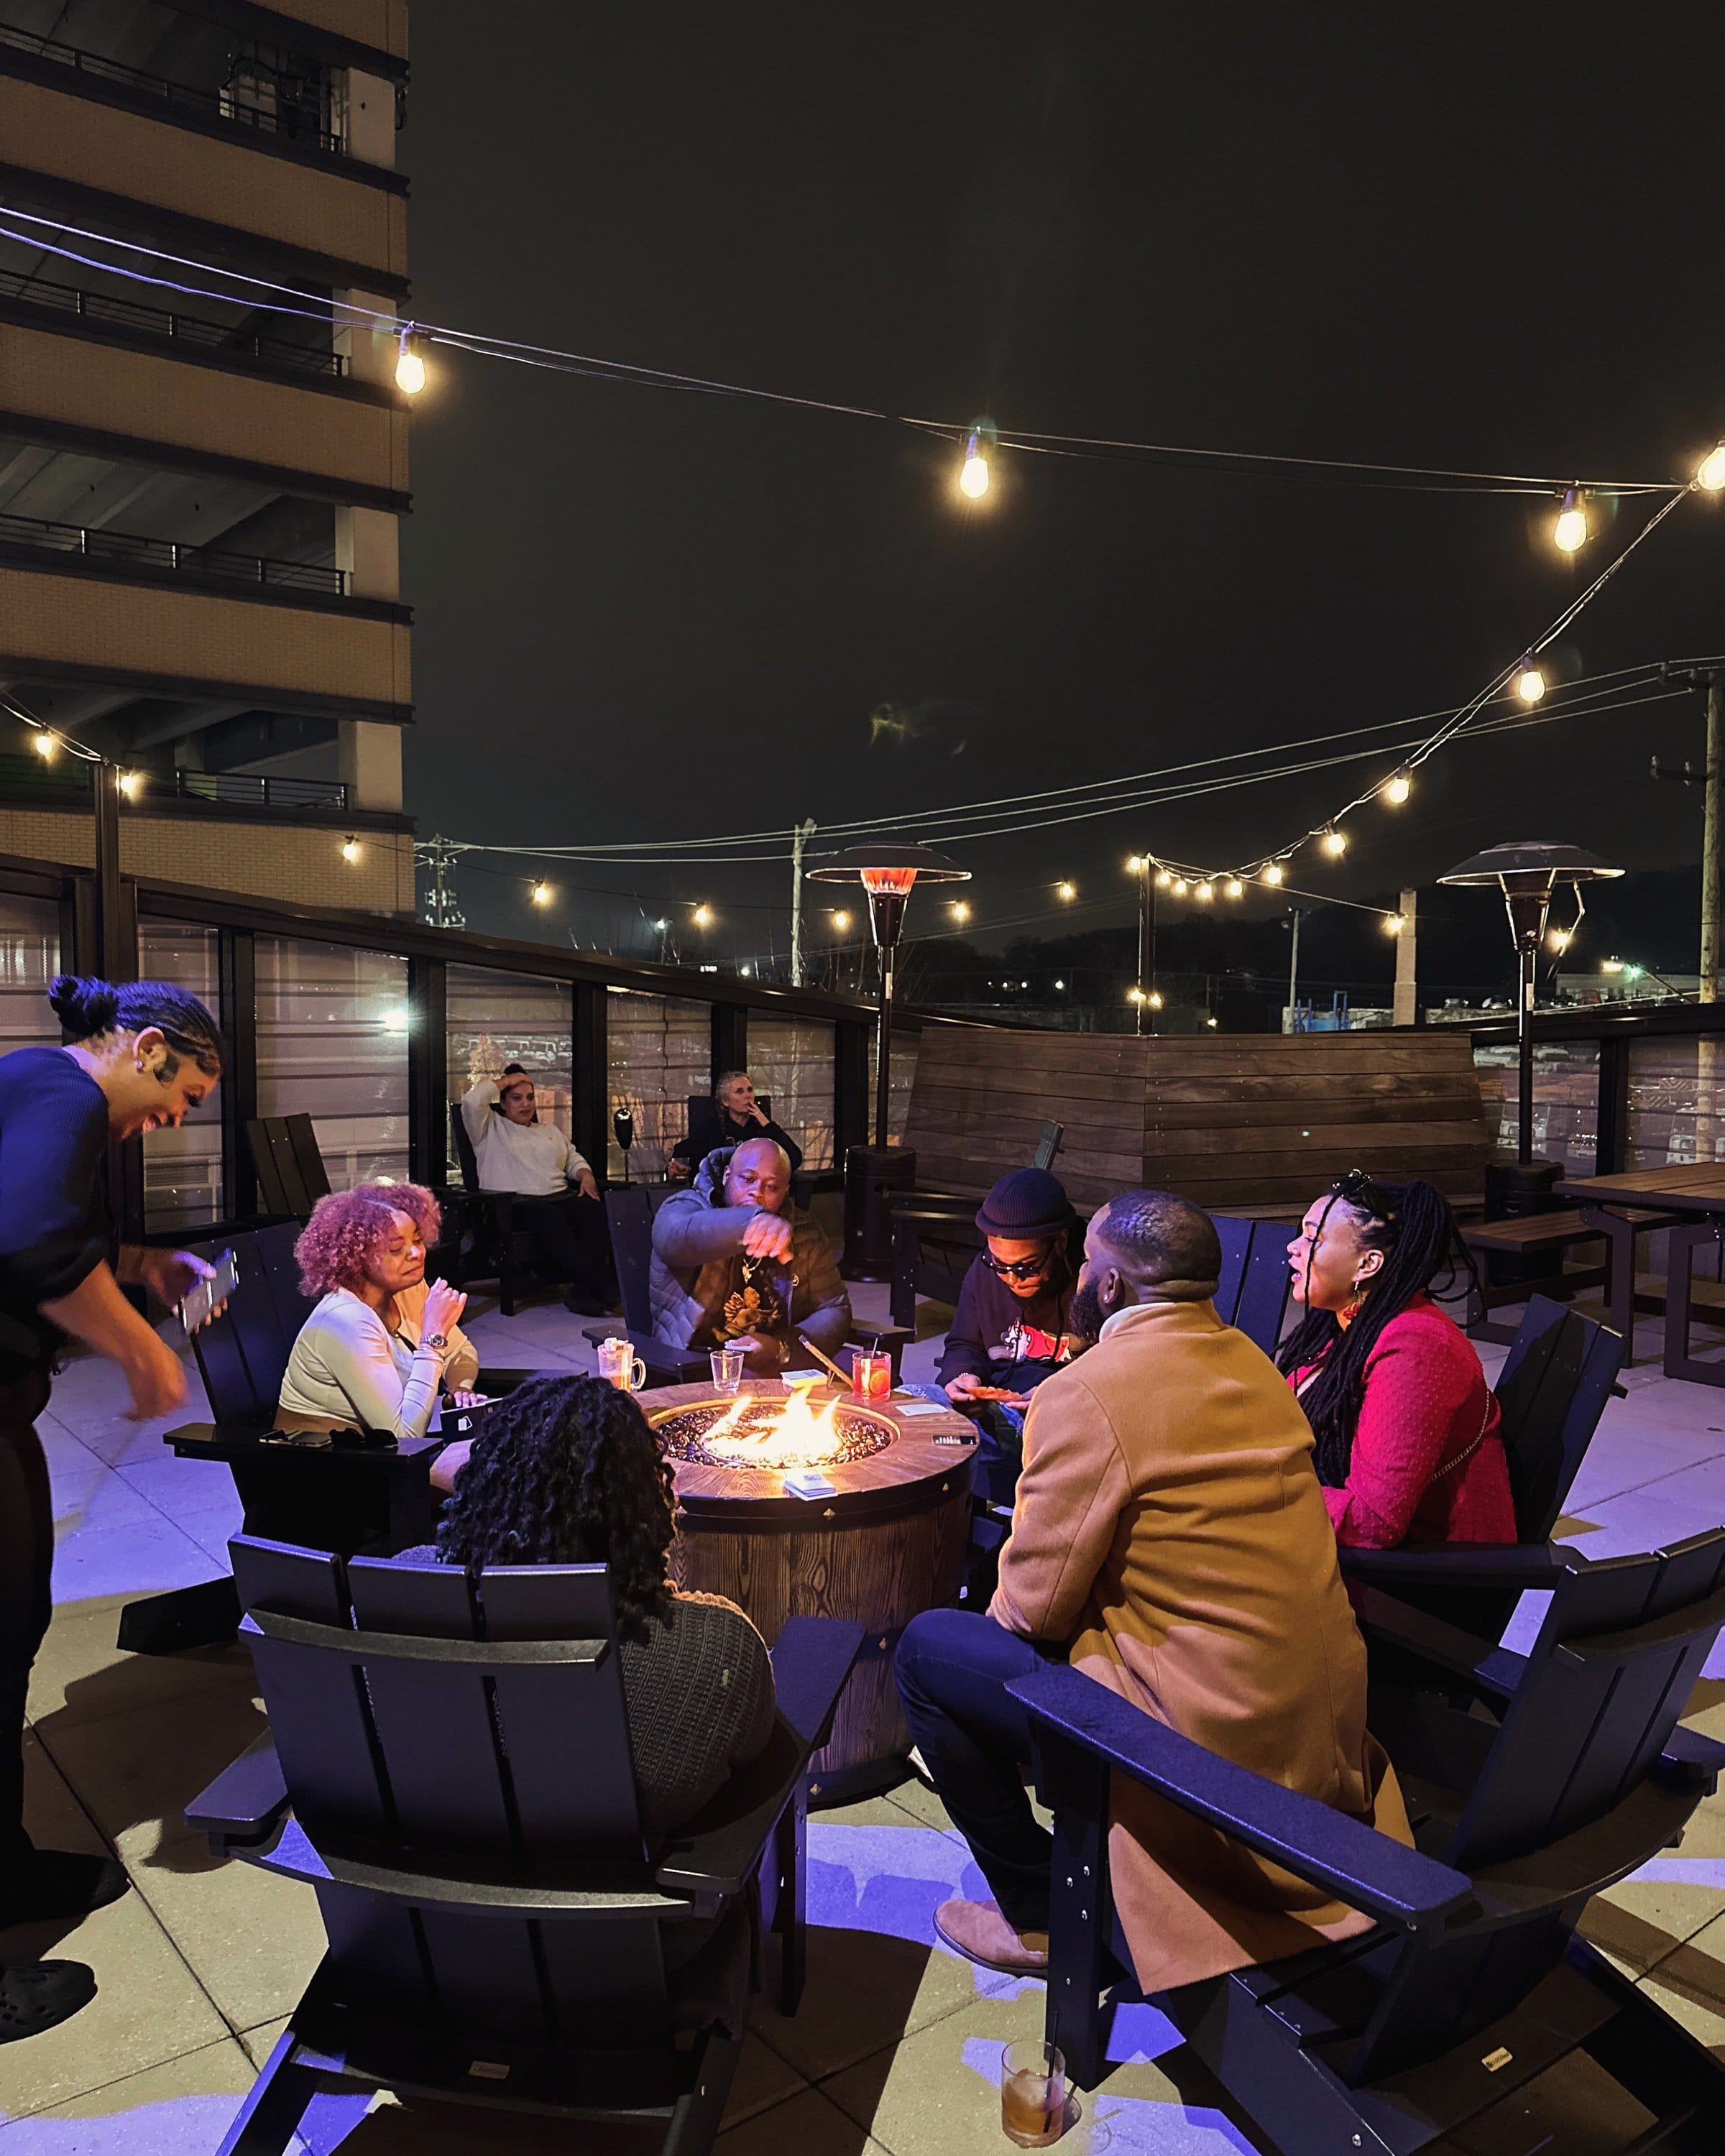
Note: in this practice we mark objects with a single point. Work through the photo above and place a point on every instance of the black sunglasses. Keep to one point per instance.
(1357, 1189)
(1022, 1269)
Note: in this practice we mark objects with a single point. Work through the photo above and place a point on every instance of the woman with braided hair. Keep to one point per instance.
(1408, 1447)
(567, 1470)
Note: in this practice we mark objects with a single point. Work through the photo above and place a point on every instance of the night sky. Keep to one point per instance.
(1471, 237)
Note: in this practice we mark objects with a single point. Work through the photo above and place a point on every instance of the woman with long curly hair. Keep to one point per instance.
(1408, 1447)
(381, 1346)
(567, 1470)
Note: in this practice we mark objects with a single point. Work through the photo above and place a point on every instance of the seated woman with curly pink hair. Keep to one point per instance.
(380, 1346)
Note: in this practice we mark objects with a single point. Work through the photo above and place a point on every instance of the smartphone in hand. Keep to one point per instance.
(208, 1295)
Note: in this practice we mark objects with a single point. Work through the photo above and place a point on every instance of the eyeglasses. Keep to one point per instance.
(1357, 1189)
(1023, 1269)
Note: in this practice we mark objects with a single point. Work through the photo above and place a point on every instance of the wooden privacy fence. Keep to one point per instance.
(1248, 1121)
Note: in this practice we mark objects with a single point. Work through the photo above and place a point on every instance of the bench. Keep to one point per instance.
(1536, 1235)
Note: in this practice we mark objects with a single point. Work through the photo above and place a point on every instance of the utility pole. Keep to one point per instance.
(1707, 1056)
(1291, 1024)
(801, 834)
(1406, 1010)
(441, 910)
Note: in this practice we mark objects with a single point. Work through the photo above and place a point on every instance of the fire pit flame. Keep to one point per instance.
(758, 1431)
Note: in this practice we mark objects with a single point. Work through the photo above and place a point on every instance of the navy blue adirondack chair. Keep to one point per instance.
(1253, 1290)
(1473, 1981)
(448, 1768)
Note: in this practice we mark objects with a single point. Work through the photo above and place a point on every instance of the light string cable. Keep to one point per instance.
(558, 359)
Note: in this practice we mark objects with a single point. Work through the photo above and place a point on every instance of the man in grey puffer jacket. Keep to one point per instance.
(735, 1263)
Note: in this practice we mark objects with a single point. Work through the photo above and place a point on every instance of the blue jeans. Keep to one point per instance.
(999, 1459)
(953, 1669)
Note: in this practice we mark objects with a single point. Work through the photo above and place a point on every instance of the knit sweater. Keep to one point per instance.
(534, 1160)
(698, 1691)
(1425, 1403)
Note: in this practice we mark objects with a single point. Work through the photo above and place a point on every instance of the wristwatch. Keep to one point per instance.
(438, 1342)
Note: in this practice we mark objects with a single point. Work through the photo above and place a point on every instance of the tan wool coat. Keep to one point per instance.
(1170, 1526)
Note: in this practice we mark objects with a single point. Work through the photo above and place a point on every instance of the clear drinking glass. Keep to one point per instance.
(1032, 2093)
(727, 1370)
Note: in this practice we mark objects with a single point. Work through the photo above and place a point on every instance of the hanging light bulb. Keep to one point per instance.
(702, 916)
(1178, 886)
(1394, 923)
(129, 782)
(1335, 842)
(349, 848)
(974, 472)
(46, 745)
(1154, 1000)
(961, 911)
(1232, 888)
(1272, 872)
(1136, 865)
(1710, 473)
(1396, 789)
(1066, 891)
(1164, 877)
(541, 893)
(841, 922)
(1569, 533)
(409, 366)
(1560, 939)
(1530, 682)
(1205, 892)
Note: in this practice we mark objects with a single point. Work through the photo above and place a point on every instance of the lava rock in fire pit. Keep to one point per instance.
(769, 1432)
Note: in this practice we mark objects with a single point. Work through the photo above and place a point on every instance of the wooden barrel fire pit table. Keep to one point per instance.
(887, 1543)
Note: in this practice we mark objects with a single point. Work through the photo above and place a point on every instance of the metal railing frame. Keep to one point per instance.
(168, 324)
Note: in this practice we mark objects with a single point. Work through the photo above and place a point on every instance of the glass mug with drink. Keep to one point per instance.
(1032, 2093)
(620, 1366)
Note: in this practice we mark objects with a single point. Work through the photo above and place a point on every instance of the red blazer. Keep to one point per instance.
(1426, 1401)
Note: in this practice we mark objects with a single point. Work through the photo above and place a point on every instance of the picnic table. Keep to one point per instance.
(1690, 1201)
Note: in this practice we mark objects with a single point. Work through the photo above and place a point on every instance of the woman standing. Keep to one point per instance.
(1408, 1447)
(137, 1058)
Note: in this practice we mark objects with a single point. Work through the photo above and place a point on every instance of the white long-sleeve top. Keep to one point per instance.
(348, 1368)
(534, 1160)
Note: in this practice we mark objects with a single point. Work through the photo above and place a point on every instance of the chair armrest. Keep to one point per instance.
(1462, 1565)
(1690, 1757)
(1360, 1867)
(932, 1205)
(499, 1382)
(1485, 1668)
(863, 1334)
(810, 1664)
(246, 1802)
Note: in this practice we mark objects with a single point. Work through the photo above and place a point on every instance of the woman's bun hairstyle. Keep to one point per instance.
(85, 1008)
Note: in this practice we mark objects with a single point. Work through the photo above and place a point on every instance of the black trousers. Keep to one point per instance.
(569, 1233)
(26, 1598)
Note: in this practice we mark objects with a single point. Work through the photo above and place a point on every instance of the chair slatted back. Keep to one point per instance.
(291, 1176)
(1623, 1642)
(704, 1117)
(466, 1157)
(243, 1354)
(1551, 1391)
(1253, 1290)
(472, 1731)
(629, 1215)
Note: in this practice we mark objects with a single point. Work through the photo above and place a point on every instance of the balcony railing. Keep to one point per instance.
(244, 788)
(207, 564)
(288, 123)
(176, 328)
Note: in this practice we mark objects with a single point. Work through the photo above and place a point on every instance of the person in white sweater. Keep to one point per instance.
(381, 1346)
(518, 1153)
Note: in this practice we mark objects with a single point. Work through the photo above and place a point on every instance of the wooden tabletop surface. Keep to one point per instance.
(1690, 1187)
(912, 1455)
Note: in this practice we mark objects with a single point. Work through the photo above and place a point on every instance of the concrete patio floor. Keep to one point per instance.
(896, 2048)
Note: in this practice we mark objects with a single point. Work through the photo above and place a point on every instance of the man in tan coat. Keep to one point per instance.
(1170, 1539)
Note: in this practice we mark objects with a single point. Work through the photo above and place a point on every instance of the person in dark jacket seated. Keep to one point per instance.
(1013, 1325)
(567, 1470)
(738, 1114)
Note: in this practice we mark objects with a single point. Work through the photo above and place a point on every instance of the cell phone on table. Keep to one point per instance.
(206, 1297)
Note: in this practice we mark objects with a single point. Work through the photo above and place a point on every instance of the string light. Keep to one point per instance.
(541, 893)
(1272, 873)
(1164, 877)
(46, 745)
(1066, 890)
(1153, 1000)
(409, 365)
(1178, 886)
(841, 922)
(1136, 865)
(350, 848)
(1233, 888)
(702, 916)
(129, 782)
(1136, 995)
(1335, 842)
(961, 911)
(1710, 473)
(1211, 1020)
(1560, 939)
(1569, 533)
(1396, 789)
(1394, 923)
(974, 472)
(1530, 682)
(1205, 892)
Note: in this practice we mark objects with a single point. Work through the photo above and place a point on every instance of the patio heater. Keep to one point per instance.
(888, 870)
(1527, 872)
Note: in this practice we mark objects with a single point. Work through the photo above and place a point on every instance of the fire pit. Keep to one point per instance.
(888, 1542)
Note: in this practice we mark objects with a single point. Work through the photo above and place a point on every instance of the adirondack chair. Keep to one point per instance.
(629, 1212)
(934, 1237)
(1473, 1981)
(375, 1496)
(1559, 1372)
(288, 1162)
(1253, 1290)
(494, 1244)
(448, 1769)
